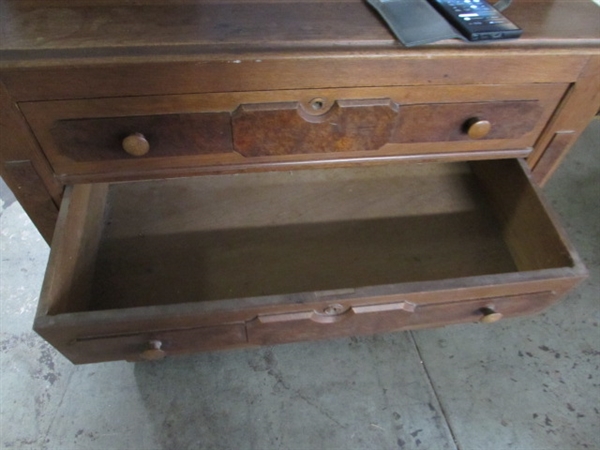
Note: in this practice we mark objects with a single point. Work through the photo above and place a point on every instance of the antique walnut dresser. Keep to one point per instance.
(158, 145)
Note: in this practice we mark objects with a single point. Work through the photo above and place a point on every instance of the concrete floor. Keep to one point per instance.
(529, 384)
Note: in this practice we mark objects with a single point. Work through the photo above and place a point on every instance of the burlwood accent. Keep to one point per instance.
(286, 129)
(227, 131)
(164, 280)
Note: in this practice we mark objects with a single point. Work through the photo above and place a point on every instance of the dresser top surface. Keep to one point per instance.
(34, 30)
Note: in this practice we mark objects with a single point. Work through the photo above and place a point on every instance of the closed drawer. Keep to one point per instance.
(111, 138)
(249, 259)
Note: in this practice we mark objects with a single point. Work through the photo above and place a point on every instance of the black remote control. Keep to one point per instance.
(477, 20)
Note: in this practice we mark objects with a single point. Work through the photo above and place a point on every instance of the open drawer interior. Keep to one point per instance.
(246, 237)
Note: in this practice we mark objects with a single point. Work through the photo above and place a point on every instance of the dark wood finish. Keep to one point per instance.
(256, 72)
(107, 25)
(347, 126)
(369, 124)
(157, 345)
(165, 136)
(25, 169)
(235, 236)
(454, 122)
(215, 88)
(70, 271)
(427, 238)
(195, 131)
(29, 189)
(534, 237)
(282, 328)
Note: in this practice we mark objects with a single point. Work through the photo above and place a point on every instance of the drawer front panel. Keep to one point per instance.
(365, 320)
(333, 321)
(168, 136)
(311, 325)
(210, 265)
(155, 345)
(348, 126)
(243, 130)
(453, 122)
(366, 125)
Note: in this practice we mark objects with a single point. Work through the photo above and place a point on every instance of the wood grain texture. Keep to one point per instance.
(70, 270)
(234, 236)
(175, 24)
(532, 234)
(554, 152)
(449, 122)
(29, 189)
(277, 71)
(173, 342)
(267, 330)
(25, 169)
(168, 136)
(188, 268)
(580, 104)
(150, 244)
(82, 136)
(369, 124)
(65, 329)
(285, 129)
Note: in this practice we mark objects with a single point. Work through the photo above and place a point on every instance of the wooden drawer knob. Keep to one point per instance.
(478, 128)
(154, 352)
(136, 144)
(490, 315)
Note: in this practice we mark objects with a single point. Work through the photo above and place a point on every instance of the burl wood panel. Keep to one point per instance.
(358, 125)
(288, 128)
(168, 135)
(291, 128)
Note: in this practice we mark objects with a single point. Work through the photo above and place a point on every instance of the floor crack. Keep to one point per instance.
(437, 398)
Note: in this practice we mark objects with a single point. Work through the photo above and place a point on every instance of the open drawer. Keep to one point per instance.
(147, 269)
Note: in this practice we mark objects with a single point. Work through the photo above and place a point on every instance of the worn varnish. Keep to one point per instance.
(345, 251)
(167, 136)
(236, 131)
(98, 94)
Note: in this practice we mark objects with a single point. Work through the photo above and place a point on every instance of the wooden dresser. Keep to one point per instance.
(156, 144)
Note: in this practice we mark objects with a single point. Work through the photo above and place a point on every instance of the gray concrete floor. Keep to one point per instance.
(528, 384)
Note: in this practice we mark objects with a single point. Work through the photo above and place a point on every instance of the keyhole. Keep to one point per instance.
(333, 310)
(317, 104)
